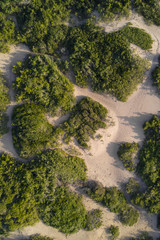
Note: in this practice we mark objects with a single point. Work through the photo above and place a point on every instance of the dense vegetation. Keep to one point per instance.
(127, 152)
(150, 9)
(31, 131)
(114, 199)
(4, 101)
(149, 166)
(114, 230)
(105, 59)
(156, 75)
(137, 36)
(94, 219)
(30, 191)
(7, 33)
(86, 117)
(38, 237)
(40, 81)
(143, 236)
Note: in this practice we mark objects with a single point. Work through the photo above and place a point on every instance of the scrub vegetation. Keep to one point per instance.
(114, 199)
(149, 166)
(126, 153)
(85, 119)
(40, 81)
(4, 101)
(30, 192)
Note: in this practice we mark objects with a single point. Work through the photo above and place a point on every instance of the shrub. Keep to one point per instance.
(114, 230)
(137, 36)
(129, 216)
(86, 117)
(31, 131)
(96, 191)
(156, 76)
(64, 211)
(105, 60)
(126, 153)
(132, 186)
(40, 81)
(94, 219)
(114, 199)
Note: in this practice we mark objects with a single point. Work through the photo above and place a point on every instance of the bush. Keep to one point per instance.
(96, 191)
(127, 152)
(132, 186)
(129, 216)
(156, 76)
(114, 230)
(143, 236)
(149, 166)
(149, 9)
(137, 36)
(64, 211)
(94, 219)
(106, 60)
(7, 33)
(115, 200)
(31, 131)
(158, 221)
(40, 81)
(3, 124)
(86, 117)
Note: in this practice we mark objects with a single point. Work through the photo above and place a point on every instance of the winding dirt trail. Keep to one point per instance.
(102, 162)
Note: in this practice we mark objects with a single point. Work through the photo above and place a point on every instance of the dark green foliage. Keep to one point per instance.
(4, 101)
(3, 124)
(31, 131)
(127, 152)
(86, 117)
(106, 60)
(115, 200)
(114, 230)
(9, 6)
(7, 33)
(129, 216)
(4, 98)
(149, 166)
(27, 192)
(64, 210)
(17, 205)
(94, 219)
(56, 163)
(158, 221)
(149, 9)
(110, 8)
(137, 36)
(132, 186)
(39, 237)
(156, 75)
(143, 236)
(40, 23)
(40, 81)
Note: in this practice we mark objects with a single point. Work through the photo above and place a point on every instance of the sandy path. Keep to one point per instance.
(17, 53)
(104, 165)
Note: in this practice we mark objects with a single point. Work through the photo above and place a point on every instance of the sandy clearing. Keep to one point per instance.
(104, 165)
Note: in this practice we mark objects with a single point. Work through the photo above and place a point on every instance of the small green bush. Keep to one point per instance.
(156, 76)
(3, 124)
(129, 216)
(132, 186)
(40, 81)
(94, 219)
(137, 36)
(126, 153)
(114, 230)
(31, 131)
(86, 117)
(64, 210)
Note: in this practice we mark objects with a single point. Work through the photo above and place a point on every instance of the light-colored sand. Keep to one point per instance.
(104, 165)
